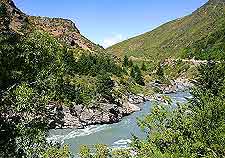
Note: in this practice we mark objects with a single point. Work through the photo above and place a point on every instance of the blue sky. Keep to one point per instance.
(107, 22)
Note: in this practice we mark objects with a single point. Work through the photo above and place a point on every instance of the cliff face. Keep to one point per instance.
(11, 18)
(64, 30)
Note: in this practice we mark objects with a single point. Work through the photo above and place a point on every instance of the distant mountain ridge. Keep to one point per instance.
(170, 39)
(13, 19)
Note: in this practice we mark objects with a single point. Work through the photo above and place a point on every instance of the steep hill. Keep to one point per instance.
(170, 39)
(11, 18)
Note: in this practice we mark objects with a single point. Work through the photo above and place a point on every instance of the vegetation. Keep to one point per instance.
(194, 129)
(169, 40)
(136, 75)
(36, 69)
(209, 47)
(125, 61)
(143, 67)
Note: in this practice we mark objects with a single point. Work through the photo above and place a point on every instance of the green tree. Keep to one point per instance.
(194, 129)
(105, 86)
(210, 77)
(125, 61)
(136, 75)
(143, 67)
(85, 152)
(24, 110)
(130, 64)
(160, 71)
(4, 17)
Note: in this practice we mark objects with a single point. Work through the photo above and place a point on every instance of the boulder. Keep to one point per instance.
(130, 108)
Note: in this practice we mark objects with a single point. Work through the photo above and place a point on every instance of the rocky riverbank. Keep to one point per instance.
(79, 116)
(180, 84)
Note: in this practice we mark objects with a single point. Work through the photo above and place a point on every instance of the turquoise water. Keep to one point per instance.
(115, 135)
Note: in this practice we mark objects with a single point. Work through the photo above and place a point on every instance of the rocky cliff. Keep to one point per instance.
(13, 19)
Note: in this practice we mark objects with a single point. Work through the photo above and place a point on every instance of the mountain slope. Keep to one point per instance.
(170, 39)
(11, 18)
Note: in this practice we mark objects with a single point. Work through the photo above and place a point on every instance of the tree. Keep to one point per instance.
(211, 77)
(130, 63)
(125, 61)
(105, 86)
(143, 67)
(4, 17)
(193, 129)
(136, 75)
(160, 71)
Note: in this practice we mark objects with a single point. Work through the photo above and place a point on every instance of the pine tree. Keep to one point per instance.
(136, 75)
(130, 64)
(125, 61)
(160, 71)
(143, 67)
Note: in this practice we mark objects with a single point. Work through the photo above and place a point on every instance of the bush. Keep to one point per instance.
(136, 75)
(105, 86)
(194, 129)
(36, 69)
(125, 61)
(23, 109)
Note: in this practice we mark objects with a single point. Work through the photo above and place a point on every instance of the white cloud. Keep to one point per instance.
(112, 40)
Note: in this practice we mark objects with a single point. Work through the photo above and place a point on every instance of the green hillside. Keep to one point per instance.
(210, 47)
(170, 39)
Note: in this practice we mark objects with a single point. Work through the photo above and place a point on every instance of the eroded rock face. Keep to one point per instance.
(81, 116)
(13, 19)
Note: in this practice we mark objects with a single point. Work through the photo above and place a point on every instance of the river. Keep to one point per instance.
(115, 135)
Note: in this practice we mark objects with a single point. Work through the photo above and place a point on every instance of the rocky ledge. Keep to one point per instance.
(180, 84)
(79, 116)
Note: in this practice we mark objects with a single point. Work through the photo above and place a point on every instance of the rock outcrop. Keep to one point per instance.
(80, 116)
(180, 84)
(13, 19)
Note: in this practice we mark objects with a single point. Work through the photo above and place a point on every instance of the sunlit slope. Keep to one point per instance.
(170, 39)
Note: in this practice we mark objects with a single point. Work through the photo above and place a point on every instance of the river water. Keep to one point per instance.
(115, 135)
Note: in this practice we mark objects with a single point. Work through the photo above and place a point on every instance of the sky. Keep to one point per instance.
(107, 22)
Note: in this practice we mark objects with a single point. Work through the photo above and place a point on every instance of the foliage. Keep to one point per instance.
(178, 68)
(211, 77)
(36, 69)
(23, 115)
(125, 61)
(57, 152)
(169, 40)
(130, 63)
(100, 151)
(194, 129)
(121, 153)
(143, 67)
(4, 17)
(3, 9)
(85, 152)
(89, 64)
(209, 47)
(136, 75)
(105, 86)
(160, 71)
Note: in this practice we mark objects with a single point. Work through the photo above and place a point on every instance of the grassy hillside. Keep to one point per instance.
(170, 39)
(210, 47)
